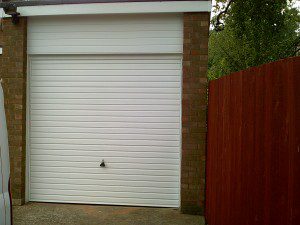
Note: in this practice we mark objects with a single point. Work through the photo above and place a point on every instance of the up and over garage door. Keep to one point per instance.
(105, 89)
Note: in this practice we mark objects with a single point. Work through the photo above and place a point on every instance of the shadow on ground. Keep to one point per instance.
(66, 214)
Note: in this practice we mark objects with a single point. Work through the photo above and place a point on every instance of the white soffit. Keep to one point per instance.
(111, 8)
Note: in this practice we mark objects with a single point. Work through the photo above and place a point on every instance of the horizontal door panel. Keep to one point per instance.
(120, 183)
(105, 66)
(109, 42)
(103, 78)
(110, 194)
(107, 59)
(107, 34)
(104, 188)
(122, 148)
(98, 96)
(104, 200)
(104, 177)
(105, 124)
(101, 153)
(103, 90)
(82, 72)
(105, 130)
(108, 160)
(89, 101)
(153, 49)
(105, 107)
(123, 113)
(130, 119)
(137, 27)
(104, 142)
(122, 165)
(107, 84)
(104, 136)
(113, 171)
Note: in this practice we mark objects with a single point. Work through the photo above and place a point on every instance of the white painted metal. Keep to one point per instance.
(113, 8)
(106, 34)
(124, 109)
(5, 203)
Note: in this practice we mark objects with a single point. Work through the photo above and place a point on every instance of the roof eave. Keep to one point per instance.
(61, 2)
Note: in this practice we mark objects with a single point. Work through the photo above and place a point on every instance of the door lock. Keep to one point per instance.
(102, 164)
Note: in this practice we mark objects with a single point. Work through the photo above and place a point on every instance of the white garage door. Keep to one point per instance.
(124, 110)
(105, 88)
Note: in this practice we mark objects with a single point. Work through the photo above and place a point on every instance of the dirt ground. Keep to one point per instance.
(67, 214)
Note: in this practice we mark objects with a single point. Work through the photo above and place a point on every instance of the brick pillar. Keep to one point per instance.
(194, 105)
(13, 72)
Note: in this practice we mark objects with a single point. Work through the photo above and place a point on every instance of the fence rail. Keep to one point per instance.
(253, 155)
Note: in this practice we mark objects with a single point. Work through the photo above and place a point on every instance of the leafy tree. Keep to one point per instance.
(249, 33)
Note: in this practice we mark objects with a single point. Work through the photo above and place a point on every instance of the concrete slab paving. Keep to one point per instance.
(75, 214)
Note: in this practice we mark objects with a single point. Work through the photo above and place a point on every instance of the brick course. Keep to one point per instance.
(194, 104)
(13, 72)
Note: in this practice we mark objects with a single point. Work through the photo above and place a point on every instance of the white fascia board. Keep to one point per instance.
(115, 8)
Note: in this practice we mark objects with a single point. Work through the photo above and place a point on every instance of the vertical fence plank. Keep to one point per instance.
(248, 142)
(259, 154)
(295, 142)
(225, 162)
(291, 120)
(267, 145)
(280, 148)
(236, 149)
(211, 144)
(219, 156)
(254, 146)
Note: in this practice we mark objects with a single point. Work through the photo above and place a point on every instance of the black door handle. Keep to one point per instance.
(102, 164)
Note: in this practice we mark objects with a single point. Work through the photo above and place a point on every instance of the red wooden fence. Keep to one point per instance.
(253, 155)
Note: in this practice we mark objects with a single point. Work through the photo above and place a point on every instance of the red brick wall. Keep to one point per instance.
(13, 72)
(194, 105)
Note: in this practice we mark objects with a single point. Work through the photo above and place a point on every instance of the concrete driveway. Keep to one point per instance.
(65, 214)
